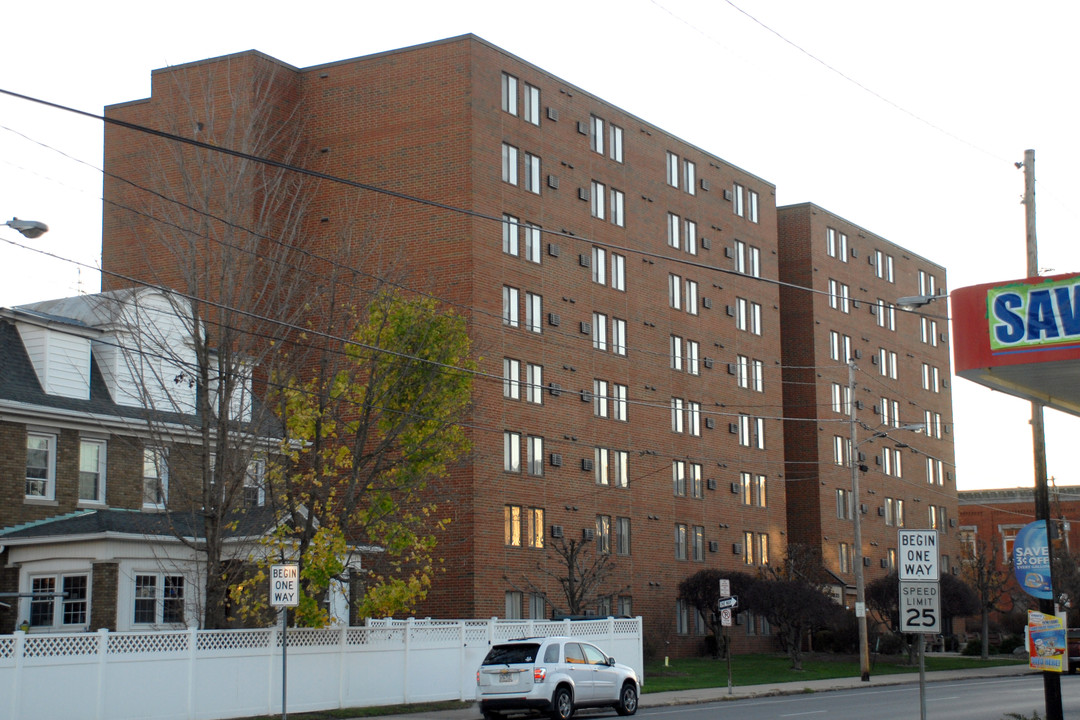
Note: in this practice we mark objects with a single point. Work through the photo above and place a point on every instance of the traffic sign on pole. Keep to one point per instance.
(920, 607)
(919, 555)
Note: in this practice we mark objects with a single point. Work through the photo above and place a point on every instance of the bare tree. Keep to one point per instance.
(581, 574)
(980, 568)
(702, 592)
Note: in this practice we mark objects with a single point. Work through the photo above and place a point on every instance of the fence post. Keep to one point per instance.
(461, 660)
(103, 668)
(193, 646)
(408, 638)
(17, 671)
(342, 659)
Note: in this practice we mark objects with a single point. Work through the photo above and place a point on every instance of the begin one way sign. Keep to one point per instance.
(285, 585)
(919, 555)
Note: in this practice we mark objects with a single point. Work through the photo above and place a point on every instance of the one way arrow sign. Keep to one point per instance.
(730, 602)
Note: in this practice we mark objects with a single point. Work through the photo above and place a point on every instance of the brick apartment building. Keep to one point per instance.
(619, 285)
(907, 480)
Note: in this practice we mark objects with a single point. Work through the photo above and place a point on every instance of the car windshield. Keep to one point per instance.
(512, 654)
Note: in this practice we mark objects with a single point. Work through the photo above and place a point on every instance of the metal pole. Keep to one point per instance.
(860, 585)
(284, 660)
(1051, 680)
(922, 676)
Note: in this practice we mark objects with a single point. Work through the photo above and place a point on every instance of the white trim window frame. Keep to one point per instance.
(155, 478)
(93, 462)
(159, 599)
(40, 465)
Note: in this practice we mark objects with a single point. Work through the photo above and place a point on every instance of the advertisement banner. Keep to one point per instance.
(1046, 642)
(1023, 316)
(1031, 558)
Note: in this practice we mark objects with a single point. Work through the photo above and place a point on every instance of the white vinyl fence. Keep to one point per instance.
(210, 674)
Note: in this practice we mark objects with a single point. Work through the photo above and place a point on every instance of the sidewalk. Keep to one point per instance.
(706, 695)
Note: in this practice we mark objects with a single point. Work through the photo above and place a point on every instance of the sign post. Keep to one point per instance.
(284, 594)
(920, 599)
(726, 606)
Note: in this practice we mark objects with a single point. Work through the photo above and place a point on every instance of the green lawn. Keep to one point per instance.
(689, 673)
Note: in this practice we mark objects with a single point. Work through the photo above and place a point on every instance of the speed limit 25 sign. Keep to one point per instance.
(920, 607)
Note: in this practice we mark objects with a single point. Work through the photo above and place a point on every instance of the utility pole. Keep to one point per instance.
(860, 582)
(1051, 680)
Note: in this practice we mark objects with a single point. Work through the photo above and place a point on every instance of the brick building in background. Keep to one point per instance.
(620, 289)
(990, 519)
(907, 479)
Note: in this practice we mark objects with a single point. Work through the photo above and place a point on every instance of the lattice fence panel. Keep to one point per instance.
(57, 646)
(232, 639)
(159, 642)
(7, 648)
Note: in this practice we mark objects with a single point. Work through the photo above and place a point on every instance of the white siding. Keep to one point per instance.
(61, 360)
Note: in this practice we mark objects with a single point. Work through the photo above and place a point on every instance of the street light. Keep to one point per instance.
(912, 302)
(860, 582)
(29, 228)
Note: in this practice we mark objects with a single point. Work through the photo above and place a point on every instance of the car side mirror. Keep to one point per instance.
(611, 661)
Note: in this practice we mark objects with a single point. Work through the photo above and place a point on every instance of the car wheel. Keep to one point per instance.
(627, 700)
(562, 704)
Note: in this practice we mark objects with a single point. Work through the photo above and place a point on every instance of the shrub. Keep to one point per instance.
(1010, 643)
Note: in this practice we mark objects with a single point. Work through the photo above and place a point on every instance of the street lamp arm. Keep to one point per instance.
(29, 228)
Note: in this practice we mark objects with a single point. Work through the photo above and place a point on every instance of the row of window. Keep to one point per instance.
(513, 384)
(605, 203)
(689, 409)
(685, 614)
(63, 601)
(846, 558)
(613, 395)
(515, 602)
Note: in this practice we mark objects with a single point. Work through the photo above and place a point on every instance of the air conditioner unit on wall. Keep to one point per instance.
(556, 531)
(588, 534)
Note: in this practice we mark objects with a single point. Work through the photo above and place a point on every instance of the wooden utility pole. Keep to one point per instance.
(1051, 680)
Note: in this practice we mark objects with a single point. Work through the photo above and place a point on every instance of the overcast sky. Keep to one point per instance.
(904, 118)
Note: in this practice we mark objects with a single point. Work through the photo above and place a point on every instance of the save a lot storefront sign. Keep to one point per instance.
(1026, 317)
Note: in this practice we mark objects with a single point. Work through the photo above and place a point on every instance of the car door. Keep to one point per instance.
(604, 677)
(580, 671)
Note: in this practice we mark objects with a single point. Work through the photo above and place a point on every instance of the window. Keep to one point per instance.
(596, 134)
(509, 164)
(511, 379)
(535, 455)
(678, 478)
(757, 376)
(928, 332)
(674, 223)
(755, 548)
(682, 617)
(159, 599)
(748, 316)
(534, 379)
(737, 205)
(532, 104)
(742, 371)
(537, 606)
(622, 536)
(927, 283)
(677, 415)
(693, 418)
(836, 244)
(618, 402)
(511, 452)
(752, 205)
(697, 543)
(845, 557)
(602, 458)
(891, 462)
(930, 378)
(92, 470)
(509, 94)
(841, 399)
(753, 489)
(620, 468)
(523, 526)
(673, 169)
(890, 559)
(603, 534)
(599, 265)
(155, 478)
(886, 315)
(255, 483)
(534, 312)
(618, 208)
(752, 432)
(533, 241)
(680, 542)
(675, 291)
(510, 229)
(615, 147)
(40, 466)
(890, 412)
(597, 198)
(67, 607)
(839, 347)
(694, 481)
(618, 272)
(883, 266)
(841, 450)
(887, 363)
(894, 512)
(510, 296)
(693, 365)
(935, 471)
(600, 398)
(691, 297)
(513, 605)
(938, 518)
(599, 331)
(747, 259)
(690, 236)
(618, 336)
(690, 177)
(532, 173)
(844, 509)
(839, 296)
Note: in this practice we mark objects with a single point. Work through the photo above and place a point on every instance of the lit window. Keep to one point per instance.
(844, 557)
(603, 534)
(601, 460)
(523, 526)
(843, 504)
(694, 481)
(753, 489)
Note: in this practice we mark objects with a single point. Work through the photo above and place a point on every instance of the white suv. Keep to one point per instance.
(555, 675)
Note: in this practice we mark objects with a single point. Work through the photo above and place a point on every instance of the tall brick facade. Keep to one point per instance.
(642, 272)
